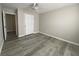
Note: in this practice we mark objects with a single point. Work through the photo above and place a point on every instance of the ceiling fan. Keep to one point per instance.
(35, 6)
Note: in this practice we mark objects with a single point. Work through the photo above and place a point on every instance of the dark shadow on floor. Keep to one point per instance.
(11, 36)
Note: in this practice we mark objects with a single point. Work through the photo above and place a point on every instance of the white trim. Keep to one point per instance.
(21, 35)
(10, 13)
(28, 34)
(60, 39)
(36, 32)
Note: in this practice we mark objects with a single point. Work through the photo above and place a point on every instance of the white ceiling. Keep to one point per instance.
(43, 7)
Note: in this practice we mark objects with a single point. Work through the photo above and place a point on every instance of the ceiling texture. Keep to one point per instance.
(43, 7)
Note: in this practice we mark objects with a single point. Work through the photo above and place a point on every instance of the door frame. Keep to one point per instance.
(3, 23)
(5, 19)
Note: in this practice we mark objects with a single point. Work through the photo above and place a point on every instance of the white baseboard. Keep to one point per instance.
(60, 38)
(28, 34)
(36, 32)
(21, 35)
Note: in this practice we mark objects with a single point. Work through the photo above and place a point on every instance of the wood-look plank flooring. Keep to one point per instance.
(38, 45)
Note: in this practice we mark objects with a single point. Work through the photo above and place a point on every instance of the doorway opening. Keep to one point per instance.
(10, 26)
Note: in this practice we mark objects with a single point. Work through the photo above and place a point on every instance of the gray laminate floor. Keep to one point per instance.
(38, 45)
(11, 36)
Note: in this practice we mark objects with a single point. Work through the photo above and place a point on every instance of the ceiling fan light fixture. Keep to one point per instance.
(36, 6)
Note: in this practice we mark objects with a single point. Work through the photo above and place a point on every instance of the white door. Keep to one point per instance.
(29, 23)
(4, 25)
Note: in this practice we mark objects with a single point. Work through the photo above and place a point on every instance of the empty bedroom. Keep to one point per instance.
(39, 29)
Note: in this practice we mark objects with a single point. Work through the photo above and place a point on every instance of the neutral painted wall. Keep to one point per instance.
(10, 23)
(1, 32)
(8, 10)
(62, 23)
(21, 21)
(21, 30)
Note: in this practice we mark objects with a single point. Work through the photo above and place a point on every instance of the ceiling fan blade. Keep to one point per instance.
(34, 4)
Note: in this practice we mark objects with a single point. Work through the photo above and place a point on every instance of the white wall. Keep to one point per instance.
(8, 10)
(62, 23)
(1, 32)
(21, 22)
(21, 25)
